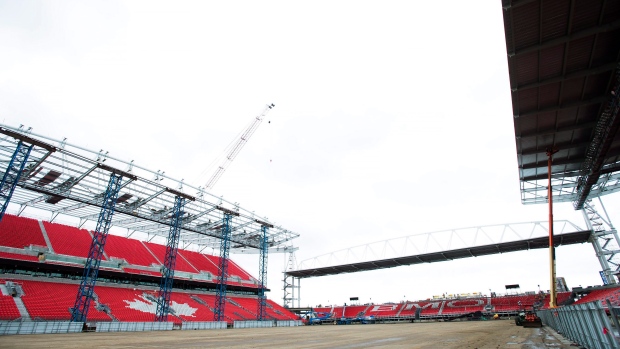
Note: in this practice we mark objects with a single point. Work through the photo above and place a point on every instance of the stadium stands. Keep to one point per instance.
(352, 311)
(160, 252)
(384, 310)
(428, 308)
(68, 240)
(18, 256)
(131, 250)
(8, 308)
(463, 306)
(52, 301)
(233, 268)
(200, 262)
(128, 304)
(281, 312)
(601, 295)
(188, 309)
(20, 232)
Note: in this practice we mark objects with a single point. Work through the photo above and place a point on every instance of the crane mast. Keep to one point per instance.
(237, 146)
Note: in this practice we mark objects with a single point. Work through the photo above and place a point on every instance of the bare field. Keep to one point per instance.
(450, 335)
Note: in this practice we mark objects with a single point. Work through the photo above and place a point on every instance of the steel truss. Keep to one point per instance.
(262, 272)
(91, 269)
(439, 241)
(68, 180)
(220, 294)
(165, 286)
(12, 174)
(604, 240)
(292, 284)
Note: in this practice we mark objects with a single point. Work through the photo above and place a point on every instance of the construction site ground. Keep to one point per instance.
(465, 334)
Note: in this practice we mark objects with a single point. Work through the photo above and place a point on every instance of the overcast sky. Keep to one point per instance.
(392, 118)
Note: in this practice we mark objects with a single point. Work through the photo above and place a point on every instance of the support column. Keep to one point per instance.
(91, 269)
(165, 285)
(552, 286)
(604, 240)
(291, 290)
(220, 294)
(262, 285)
(11, 175)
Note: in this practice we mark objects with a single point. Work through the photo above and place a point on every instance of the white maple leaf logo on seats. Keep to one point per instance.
(147, 306)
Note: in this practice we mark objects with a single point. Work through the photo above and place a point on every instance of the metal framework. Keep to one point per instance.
(292, 284)
(165, 286)
(604, 134)
(564, 82)
(262, 272)
(91, 268)
(12, 174)
(69, 181)
(220, 294)
(604, 239)
(441, 246)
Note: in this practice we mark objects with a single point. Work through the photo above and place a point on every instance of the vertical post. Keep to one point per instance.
(262, 299)
(165, 285)
(91, 268)
(552, 290)
(220, 294)
(11, 175)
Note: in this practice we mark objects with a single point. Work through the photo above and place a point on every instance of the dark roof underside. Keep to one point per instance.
(562, 58)
(513, 246)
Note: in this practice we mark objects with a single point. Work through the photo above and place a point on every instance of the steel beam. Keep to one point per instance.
(262, 272)
(573, 75)
(566, 38)
(165, 286)
(604, 135)
(12, 173)
(220, 294)
(91, 268)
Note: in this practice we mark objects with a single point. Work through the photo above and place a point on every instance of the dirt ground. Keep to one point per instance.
(450, 335)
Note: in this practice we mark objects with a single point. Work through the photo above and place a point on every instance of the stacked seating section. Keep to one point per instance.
(8, 308)
(20, 232)
(612, 294)
(131, 250)
(68, 240)
(52, 301)
(233, 269)
(142, 258)
(384, 310)
(181, 263)
(46, 300)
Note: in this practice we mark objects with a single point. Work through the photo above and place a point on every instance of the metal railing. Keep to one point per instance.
(586, 324)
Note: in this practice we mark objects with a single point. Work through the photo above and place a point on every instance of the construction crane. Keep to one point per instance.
(237, 146)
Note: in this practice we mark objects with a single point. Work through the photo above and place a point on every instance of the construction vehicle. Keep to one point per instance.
(528, 319)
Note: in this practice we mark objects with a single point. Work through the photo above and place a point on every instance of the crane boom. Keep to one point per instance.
(237, 146)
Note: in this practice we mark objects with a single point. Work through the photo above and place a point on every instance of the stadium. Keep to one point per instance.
(93, 244)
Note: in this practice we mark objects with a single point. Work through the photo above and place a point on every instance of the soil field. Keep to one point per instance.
(450, 335)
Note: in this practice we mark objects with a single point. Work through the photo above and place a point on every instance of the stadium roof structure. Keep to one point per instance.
(441, 246)
(564, 79)
(65, 179)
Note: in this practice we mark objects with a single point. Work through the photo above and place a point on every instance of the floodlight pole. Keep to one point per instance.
(552, 290)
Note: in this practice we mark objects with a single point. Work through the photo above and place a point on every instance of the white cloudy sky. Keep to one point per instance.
(392, 118)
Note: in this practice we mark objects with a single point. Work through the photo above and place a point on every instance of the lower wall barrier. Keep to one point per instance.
(252, 324)
(288, 323)
(586, 324)
(133, 326)
(204, 325)
(28, 327)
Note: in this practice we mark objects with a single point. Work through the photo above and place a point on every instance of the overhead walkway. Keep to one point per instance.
(441, 246)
